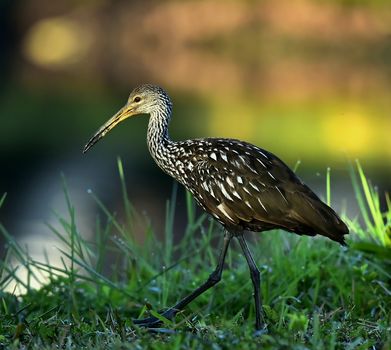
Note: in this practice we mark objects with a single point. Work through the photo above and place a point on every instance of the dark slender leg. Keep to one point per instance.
(214, 278)
(256, 279)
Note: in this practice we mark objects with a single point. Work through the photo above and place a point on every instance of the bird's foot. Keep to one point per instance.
(154, 322)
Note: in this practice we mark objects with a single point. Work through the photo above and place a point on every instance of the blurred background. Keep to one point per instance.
(308, 80)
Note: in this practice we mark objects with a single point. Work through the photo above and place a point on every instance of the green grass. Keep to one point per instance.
(316, 294)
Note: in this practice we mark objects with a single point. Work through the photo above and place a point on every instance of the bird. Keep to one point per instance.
(244, 187)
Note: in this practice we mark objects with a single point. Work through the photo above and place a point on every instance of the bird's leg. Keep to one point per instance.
(256, 279)
(213, 279)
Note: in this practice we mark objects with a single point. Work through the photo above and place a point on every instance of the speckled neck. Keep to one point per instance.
(159, 143)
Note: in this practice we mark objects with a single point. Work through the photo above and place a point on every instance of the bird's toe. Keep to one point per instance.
(154, 322)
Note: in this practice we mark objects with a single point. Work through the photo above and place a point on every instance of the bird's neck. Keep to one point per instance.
(159, 142)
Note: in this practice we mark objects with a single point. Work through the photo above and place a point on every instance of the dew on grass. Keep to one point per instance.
(220, 334)
(155, 289)
(266, 268)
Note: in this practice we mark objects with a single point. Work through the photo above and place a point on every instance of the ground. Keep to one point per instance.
(316, 294)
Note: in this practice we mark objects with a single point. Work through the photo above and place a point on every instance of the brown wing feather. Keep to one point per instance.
(244, 186)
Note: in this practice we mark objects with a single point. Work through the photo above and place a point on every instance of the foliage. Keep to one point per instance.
(372, 228)
(316, 294)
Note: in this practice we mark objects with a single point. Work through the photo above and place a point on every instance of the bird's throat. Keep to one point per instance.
(159, 141)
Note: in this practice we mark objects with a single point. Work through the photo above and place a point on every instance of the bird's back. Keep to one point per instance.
(247, 188)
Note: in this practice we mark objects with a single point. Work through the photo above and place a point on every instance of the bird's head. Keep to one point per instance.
(145, 99)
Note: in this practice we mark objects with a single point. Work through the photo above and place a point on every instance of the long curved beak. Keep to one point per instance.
(121, 115)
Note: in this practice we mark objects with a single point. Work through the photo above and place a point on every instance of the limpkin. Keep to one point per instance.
(242, 186)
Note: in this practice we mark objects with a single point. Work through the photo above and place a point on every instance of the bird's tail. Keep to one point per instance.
(318, 218)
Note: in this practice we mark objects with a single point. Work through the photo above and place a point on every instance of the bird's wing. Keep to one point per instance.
(238, 182)
(243, 185)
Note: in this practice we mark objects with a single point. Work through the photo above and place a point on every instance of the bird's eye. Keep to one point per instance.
(137, 99)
